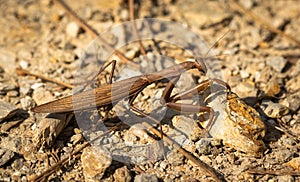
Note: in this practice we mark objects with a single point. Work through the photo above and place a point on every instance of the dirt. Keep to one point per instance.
(261, 67)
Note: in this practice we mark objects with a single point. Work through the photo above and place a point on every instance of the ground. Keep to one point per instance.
(257, 55)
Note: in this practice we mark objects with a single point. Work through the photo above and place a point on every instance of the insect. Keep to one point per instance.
(127, 88)
(130, 88)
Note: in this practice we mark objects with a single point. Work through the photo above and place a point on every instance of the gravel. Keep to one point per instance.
(261, 67)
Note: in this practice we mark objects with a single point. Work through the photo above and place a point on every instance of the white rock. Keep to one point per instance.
(274, 110)
(27, 103)
(277, 63)
(244, 74)
(24, 64)
(72, 29)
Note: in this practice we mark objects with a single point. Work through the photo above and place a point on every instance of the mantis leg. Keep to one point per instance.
(170, 101)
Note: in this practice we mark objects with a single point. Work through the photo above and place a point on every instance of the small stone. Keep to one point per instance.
(24, 64)
(6, 110)
(293, 84)
(73, 29)
(205, 159)
(5, 88)
(175, 159)
(284, 154)
(41, 96)
(122, 175)
(274, 110)
(292, 102)
(36, 85)
(77, 131)
(76, 138)
(285, 178)
(24, 89)
(247, 3)
(163, 165)
(12, 93)
(27, 103)
(294, 163)
(244, 74)
(124, 15)
(277, 63)
(185, 125)
(245, 89)
(146, 178)
(203, 146)
(94, 162)
(11, 143)
(49, 128)
(6, 155)
(18, 164)
(8, 61)
(262, 76)
(271, 89)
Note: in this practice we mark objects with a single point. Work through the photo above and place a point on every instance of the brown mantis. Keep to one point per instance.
(130, 88)
(106, 95)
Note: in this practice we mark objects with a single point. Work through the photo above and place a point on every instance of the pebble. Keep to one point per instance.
(277, 63)
(262, 76)
(73, 29)
(294, 163)
(18, 164)
(244, 74)
(94, 162)
(146, 178)
(175, 159)
(24, 89)
(292, 102)
(285, 178)
(284, 155)
(48, 129)
(201, 14)
(27, 103)
(40, 95)
(203, 146)
(163, 165)
(185, 125)
(245, 89)
(6, 110)
(4, 88)
(11, 143)
(122, 175)
(12, 93)
(205, 159)
(293, 84)
(76, 138)
(274, 110)
(247, 3)
(24, 64)
(271, 88)
(6, 155)
(124, 15)
(8, 61)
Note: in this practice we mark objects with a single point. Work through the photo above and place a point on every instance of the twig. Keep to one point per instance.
(235, 5)
(92, 31)
(187, 154)
(135, 31)
(274, 172)
(21, 71)
(75, 154)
